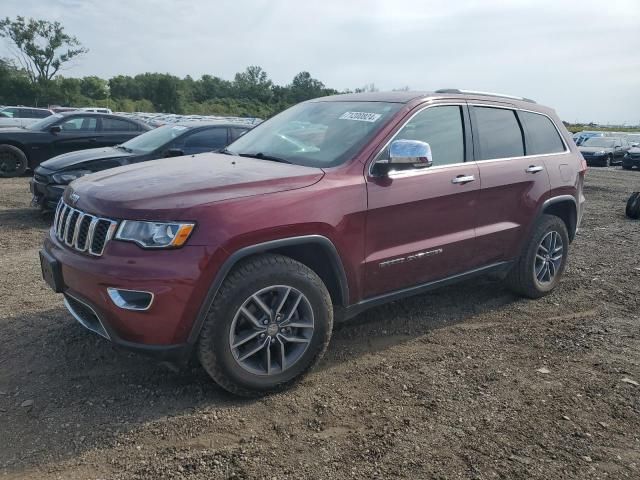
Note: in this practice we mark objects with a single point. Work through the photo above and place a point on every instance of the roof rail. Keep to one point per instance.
(485, 94)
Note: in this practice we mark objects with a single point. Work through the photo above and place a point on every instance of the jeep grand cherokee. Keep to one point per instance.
(347, 201)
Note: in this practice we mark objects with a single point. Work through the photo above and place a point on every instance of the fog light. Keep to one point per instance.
(131, 299)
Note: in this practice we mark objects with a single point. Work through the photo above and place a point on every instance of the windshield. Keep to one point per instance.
(154, 139)
(316, 134)
(45, 122)
(598, 142)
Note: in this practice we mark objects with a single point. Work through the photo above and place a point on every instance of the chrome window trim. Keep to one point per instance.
(516, 109)
(417, 172)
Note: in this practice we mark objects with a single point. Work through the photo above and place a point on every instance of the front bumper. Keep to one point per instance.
(45, 195)
(178, 280)
(596, 161)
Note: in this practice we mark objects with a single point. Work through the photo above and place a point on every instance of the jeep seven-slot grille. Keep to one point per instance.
(82, 231)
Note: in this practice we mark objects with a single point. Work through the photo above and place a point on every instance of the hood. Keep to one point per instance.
(78, 157)
(594, 149)
(168, 188)
(634, 150)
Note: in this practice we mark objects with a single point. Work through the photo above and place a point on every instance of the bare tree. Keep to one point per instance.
(41, 47)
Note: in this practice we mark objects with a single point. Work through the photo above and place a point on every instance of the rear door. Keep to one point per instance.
(420, 222)
(513, 184)
(114, 131)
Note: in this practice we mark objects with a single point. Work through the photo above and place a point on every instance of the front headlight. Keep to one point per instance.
(64, 178)
(155, 234)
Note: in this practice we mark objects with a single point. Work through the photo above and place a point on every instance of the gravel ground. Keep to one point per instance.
(466, 382)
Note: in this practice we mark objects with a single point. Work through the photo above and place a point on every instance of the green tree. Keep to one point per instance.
(253, 83)
(94, 87)
(41, 47)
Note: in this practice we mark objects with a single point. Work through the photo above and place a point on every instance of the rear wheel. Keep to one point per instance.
(538, 270)
(269, 324)
(13, 161)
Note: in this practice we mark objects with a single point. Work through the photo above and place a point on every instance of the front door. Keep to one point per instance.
(420, 222)
(78, 132)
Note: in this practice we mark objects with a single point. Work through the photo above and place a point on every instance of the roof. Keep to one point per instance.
(408, 96)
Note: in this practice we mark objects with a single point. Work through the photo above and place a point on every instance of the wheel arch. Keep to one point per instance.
(565, 208)
(315, 251)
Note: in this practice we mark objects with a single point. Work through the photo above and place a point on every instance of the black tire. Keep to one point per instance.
(627, 167)
(633, 206)
(13, 161)
(522, 277)
(248, 277)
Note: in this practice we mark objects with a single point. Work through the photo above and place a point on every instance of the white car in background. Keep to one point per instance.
(21, 116)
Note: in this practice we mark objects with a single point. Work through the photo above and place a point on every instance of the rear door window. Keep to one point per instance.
(541, 136)
(499, 133)
(117, 125)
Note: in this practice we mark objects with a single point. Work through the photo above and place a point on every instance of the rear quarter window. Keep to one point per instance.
(541, 136)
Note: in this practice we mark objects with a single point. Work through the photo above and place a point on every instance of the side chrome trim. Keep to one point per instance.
(357, 308)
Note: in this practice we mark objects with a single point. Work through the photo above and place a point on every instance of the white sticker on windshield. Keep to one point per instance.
(360, 116)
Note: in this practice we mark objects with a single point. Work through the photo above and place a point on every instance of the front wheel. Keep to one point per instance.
(13, 161)
(269, 324)
(538, 270)
(633, 206)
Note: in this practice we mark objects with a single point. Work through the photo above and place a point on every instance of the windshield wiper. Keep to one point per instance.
(122, 147)
(262, 156)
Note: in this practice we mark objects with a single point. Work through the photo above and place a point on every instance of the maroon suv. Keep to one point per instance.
(335, 205)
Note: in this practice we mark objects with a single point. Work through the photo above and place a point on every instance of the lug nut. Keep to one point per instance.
(264, 322)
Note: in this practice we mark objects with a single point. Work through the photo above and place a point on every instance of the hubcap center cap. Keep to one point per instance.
(272, 329)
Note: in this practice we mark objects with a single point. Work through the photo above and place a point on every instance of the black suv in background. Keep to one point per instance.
(23, 148)
(604, 151)
(51, 177)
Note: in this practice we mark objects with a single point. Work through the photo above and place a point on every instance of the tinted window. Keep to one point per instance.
(237, 132)
(117, 125)
(541, 135)
(441, 128)
(499, 133)
(79, 124)
(40, 113)
(210, 139)
(11, 112)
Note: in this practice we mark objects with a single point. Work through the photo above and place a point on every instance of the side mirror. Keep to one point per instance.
(55, 129)
(410, 152)
(174, 152)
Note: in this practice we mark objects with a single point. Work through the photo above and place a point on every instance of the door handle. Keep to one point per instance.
(92, 140)
(461, 179)
(534, 169)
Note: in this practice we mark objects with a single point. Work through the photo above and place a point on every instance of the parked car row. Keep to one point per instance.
(333, 206)
(60, 133)
(186, 138)
(159, 119)
(21, 116)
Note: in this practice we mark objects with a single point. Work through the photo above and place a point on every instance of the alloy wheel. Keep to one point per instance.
(548, 258)
(272, 330)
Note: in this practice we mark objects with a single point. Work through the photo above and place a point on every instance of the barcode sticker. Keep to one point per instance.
(360, 116)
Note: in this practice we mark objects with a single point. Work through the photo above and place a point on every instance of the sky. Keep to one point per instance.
(581, 57)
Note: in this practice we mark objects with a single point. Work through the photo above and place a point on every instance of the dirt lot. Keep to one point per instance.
(466, 382)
